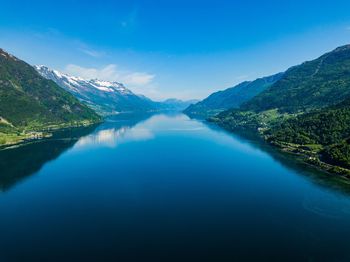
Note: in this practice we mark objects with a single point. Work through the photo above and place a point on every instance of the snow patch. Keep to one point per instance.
(77, 83)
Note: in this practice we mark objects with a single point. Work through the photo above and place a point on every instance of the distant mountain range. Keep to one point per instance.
(30, 102)
(232, 97)
(103, 96)
(107, 97)
(177, 104)
(35, 100)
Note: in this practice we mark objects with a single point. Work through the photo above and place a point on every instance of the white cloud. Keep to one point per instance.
(138, 78)
(91, 52)
(111, 73)
(88, 50)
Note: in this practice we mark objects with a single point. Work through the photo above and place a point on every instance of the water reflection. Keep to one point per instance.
(21, 162)
(126, 128)
(289, 161)
(168, 188)
(113, 136)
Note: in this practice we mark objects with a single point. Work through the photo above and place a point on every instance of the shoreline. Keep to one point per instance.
(312, 159)
(308, 158)
(41, 134)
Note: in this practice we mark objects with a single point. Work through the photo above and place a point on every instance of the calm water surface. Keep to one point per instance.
(165, 188)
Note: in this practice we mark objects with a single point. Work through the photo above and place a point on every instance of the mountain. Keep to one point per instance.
(306, 112)
(30, 102)
(103, 96)
(177, 104)
(324, 133)
(232, 97)
(326, 126)
(310, 86)
(318, 83)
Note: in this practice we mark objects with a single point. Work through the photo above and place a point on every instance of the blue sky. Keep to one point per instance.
(184, 49)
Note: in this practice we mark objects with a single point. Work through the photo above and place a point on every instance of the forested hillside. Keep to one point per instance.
(29, 102)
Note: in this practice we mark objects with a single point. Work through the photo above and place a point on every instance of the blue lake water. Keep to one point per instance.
(166, 188)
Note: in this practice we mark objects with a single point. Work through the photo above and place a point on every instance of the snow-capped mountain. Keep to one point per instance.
(104, 96)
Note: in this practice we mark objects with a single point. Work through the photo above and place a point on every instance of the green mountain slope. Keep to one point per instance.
(319, 83)
(326, 126)
(232, 97)
(325, 132)
(30, 102)
(306, 112)
(305, 88)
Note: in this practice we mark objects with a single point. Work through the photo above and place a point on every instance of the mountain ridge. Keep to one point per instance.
(231, 97)
(313, 84)
(105, 97)
(109, 97)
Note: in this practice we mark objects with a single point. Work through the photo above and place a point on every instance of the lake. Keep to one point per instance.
(166, 188)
